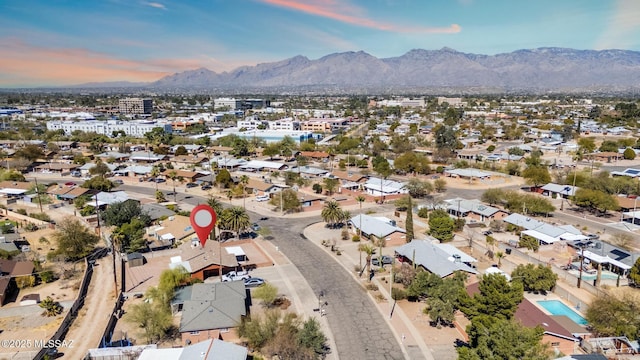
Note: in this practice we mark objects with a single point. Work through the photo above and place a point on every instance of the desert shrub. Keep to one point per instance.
(398, 294)
(25, 281)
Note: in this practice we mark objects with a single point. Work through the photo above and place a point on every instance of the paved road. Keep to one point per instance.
(359, 330)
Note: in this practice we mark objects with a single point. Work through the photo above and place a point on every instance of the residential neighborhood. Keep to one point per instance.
(406, 213)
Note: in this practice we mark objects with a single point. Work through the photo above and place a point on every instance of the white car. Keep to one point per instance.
(235, 276)
(263, 198)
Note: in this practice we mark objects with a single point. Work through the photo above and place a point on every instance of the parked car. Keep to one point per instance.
(253, 282)
(191, 185)
(151, 179)
(76, 174)
(487, 233)
(262, 198)
(593, 236)
(235, 276)
(386, 260)
(118, 182)
(160, 180)
(255, 227)
(205, 187)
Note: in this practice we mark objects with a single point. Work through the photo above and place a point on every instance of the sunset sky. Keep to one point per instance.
(64, 42)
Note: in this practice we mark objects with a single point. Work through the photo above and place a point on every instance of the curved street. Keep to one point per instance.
(359, 329)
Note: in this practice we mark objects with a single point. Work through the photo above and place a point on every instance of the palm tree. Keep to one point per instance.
(51, 307)
(244, 180)
(235, 219)
(155, 172)
(173, 175)
(360, 199)
(331, 213)
(499, 255)
(229, 194)
(218, 208)
(369, 250)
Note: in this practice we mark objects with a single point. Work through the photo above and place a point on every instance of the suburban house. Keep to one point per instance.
(627, 172)
(134, 171)
(261, 187)
(467, 174)
(188, 176)
(610, 257)
(380, 187)
(563, 191)
(206, 262)
(316, 155)
(380, 227)
(347, 177)
(146, 157)
(168, 231)
(309, 171)
(439, 260)
(210, 349)
(15, 188)
(68, 193)
(560, 339)
(545, 233)
(9, 270)
(262, 165)
(58, 168)
(474, 210)
(189, 160)
(211, 311)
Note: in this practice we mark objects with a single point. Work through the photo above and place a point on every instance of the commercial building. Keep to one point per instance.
(135, 106)
(131, 128)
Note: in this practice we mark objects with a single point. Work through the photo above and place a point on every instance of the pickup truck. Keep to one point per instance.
(235, 276)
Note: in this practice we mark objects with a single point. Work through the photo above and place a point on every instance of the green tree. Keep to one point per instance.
(98, 183)
(311, 336)
(235, 219)
(418, 188)
(614, 315)
(123, 212)
(271, 150)
(130, 236)
(586, 145)
(369, 251)
(153, 319)
(181, 151)
(223, 179)
(535, 278)
(409, 221)
(412, 163)
(595, 199)
(286, 200)
(441, 225)
(634, 273)
(499, 339)
(536, 175)
(30, 152)
(99, 169)
(74, 240)
(497, 297)
(492, 196)
(629, 154)
(266, 292)
(440, 185)
(384, 170)
(330, 184)
(529, 242)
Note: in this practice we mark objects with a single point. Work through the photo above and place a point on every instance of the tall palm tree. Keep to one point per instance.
(360, 199)
(235, 219)
(369, 250)
(244, 180)
(218, 208)
(173, 175)
(331, 213)
(155, 172)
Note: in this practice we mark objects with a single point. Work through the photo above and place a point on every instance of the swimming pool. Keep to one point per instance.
(557, 307)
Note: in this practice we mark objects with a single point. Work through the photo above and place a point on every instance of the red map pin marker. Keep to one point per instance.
(203, 219)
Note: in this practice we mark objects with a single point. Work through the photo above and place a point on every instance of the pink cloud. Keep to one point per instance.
(25, 64)
(354, 16)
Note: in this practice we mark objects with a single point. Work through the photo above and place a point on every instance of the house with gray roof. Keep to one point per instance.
(211, 349)
(381, 228)
(211, 311)
(146, 156)
(474, 210)
(262, 165)
(309, 171)
(377, 187)
(433, 258)
(560, 190)
(545, 233)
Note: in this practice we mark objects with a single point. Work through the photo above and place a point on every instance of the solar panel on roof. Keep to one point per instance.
(619, 254)
(632, 171)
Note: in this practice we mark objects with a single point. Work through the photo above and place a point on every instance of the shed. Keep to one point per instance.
(237, 252)
(135, 259)
(30, 299)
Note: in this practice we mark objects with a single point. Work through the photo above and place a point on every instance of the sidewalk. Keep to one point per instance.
(303, 298)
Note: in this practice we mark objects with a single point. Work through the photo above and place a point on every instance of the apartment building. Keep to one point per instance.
(135, 106)
(324, 125)
(131, 128)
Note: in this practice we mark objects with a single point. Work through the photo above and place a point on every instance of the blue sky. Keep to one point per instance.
(58, 42)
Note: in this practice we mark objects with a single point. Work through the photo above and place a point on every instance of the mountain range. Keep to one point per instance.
(439, 71)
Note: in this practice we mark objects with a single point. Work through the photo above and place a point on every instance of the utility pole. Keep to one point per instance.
(38, 194)
(581, 264)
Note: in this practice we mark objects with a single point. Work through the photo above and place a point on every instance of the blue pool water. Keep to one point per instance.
(557, 307)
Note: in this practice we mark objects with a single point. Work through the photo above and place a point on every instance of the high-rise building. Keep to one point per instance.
(135, 106)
